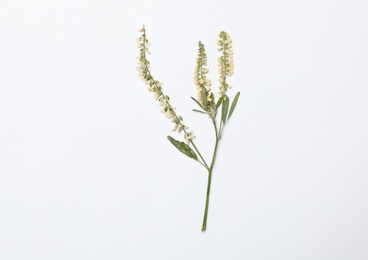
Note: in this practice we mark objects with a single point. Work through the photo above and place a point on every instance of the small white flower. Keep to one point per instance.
(189, 136)
(208, 83)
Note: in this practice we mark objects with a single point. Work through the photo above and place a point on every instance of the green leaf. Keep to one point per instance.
(183, 147)
(225, 109)
(219, 102)
(195, 100)
(233, 105)
(212, 98)
(199, 111)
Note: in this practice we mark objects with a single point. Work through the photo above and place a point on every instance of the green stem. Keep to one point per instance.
(204, 224)
(220, 129)
(204, 162)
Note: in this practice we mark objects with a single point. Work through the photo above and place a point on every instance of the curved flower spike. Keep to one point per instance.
(155, 86)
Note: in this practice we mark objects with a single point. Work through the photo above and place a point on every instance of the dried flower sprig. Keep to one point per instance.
(225, 62)
(155, 86)
(204, 95)
(205, 100)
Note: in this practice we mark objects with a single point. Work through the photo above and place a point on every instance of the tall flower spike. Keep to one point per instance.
(203, 84)
(225, 62)
(155, 86)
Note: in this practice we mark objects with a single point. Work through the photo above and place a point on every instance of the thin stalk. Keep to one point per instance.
(204, 224)
(220, 130)
(204, 162)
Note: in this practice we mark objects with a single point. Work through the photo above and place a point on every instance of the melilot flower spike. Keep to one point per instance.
(155, 86)
(205, 100)
(225, 62)
(204, 95)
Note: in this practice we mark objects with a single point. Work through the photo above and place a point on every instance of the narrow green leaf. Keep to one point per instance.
(219, 102)
(183, 147)
(225, 109)
(233, 105)
(212, 98)
(195, 100)
(199, 111)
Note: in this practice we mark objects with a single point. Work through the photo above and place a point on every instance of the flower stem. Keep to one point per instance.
(204, 224)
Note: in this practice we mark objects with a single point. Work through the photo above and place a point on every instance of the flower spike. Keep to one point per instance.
(225, 62)
(155, 86)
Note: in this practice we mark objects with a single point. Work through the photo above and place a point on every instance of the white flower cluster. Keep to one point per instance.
(203, 84)
(225, 62)
(156, 87)
(188, 136)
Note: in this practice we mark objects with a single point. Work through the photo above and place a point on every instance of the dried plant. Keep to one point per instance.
(205, 100)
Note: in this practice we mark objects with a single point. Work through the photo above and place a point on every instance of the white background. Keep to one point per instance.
(86, 171)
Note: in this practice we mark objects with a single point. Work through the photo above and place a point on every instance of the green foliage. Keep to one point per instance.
(219, 102)
(183, 147)
(225, 109)
(199, 111)
(233, 105)
(199, 104)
